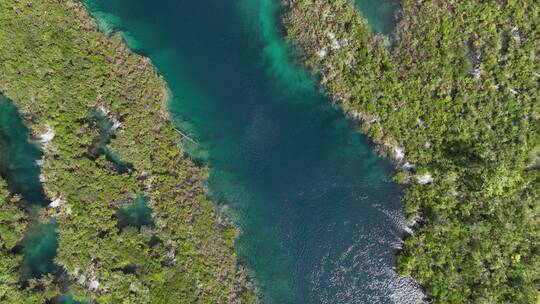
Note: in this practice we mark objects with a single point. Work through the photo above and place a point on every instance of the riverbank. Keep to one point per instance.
(454, 101)
(57, 68)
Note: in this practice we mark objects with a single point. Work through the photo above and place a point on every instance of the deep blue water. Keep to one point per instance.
(320, 217)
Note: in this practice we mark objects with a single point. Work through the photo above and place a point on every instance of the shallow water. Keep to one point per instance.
(40, 246)
(19, 158)
(320, 217)
(105, 128)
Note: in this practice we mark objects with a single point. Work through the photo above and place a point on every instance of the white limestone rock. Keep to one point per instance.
(424, 179)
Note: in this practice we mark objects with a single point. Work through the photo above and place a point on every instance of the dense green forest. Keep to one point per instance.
(60, 71)
(453, 96)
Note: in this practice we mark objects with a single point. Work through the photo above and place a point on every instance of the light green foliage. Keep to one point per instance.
(458, 90)
(57, 67)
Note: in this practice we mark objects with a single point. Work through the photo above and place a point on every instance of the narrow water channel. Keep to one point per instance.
(320, 217)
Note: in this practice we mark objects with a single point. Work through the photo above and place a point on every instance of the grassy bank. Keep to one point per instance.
(58, 69)
(454, 99)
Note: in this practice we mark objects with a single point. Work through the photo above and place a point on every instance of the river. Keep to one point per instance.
(320, 218)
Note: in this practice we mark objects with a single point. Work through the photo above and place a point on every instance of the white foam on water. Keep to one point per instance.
(368, 276)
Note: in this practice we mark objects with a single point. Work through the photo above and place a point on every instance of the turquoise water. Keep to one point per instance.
(320, 218)
(40, 246)
(19, 157)
(382, 16)
(18, 165)
(67, 299)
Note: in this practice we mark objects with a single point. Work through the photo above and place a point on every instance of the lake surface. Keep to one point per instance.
(319, 215)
